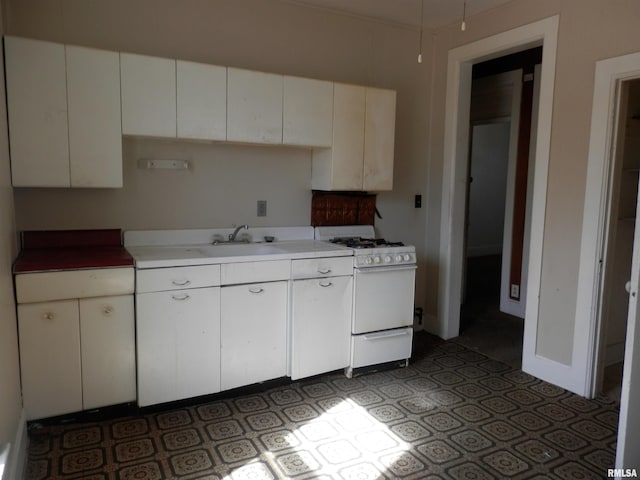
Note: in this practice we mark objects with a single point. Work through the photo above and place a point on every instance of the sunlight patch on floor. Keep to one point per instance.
(345, 432)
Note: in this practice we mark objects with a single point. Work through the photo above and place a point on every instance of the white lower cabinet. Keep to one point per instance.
(50, 362)
(321, 325)
(76, 354)
(253, 333)
(107, 344)
(178, 342)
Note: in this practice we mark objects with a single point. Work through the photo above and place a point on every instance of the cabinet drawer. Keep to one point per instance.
(321, 267)
(380, 347)
(251, 272)
(179, 278)
(45, 286)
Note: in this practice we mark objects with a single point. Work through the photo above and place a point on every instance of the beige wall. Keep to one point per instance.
(285, 38)
(589, 30)
(274, 36)
(220, 188)
(10, 398)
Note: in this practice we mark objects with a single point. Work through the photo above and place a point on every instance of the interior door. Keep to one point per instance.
(628, 453)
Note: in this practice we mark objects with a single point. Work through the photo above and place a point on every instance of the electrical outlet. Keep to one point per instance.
(515, 291)
(262, 208)
(417, 203)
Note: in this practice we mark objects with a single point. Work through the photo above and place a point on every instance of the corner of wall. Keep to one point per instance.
(13, 457)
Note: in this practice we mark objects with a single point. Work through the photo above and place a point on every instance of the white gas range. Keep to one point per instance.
(384, 288)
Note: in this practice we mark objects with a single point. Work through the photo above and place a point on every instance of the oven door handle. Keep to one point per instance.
(387, 334)
(390, 268)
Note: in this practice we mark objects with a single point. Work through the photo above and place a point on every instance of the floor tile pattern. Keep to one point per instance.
(452, 414)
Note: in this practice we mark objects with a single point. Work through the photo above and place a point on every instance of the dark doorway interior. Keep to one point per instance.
(483, 326)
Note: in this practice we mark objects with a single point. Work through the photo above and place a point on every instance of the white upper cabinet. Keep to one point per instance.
(379, 139)
(64, 115)
(361, 157)
(37, 111)
(340, 168)
(148, 95)
(307, 112)
(95, 136)
(254, 106)
(201, 101)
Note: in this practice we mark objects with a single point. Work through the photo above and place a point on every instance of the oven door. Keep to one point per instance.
(383, 298)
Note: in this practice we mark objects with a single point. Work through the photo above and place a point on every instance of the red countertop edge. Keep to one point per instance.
(71, 250)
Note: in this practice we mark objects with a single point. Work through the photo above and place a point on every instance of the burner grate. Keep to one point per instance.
(359, 242)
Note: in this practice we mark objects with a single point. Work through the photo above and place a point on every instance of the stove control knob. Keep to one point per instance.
(398, 258)
(407, 257)
(368, 260)
(376, 259)
(387, 259)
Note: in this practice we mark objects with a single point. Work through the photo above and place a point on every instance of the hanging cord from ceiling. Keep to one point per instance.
(421, 29)
(463, 25)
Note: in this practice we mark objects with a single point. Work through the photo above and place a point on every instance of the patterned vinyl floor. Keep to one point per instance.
(452, 414)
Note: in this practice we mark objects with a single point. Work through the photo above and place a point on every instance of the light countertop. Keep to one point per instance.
(185, 255)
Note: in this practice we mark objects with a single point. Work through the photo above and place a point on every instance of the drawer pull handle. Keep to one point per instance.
(256, 290)
(181, 283)
(385, 335)
(107, 310)
(48, 316)
(325, 285)
(181, 298)
(324, 271)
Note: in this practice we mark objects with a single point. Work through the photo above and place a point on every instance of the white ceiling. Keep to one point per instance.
(437, 13)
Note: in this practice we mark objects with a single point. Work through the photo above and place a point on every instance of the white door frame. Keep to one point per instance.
(609, 73)
(461, 59)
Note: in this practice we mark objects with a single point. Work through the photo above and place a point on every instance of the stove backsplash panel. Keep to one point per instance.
(342, 208)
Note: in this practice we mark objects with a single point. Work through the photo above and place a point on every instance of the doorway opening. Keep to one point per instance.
(503, 106)
(619, 240)
(535, 360)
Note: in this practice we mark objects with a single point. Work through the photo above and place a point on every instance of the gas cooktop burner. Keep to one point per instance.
(359, 242)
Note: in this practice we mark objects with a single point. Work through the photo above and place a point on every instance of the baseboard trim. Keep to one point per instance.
(17, 459)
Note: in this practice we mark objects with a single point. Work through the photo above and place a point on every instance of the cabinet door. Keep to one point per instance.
(307, 112)
(254, 106)
(340, 168)
(148, 95)
(37, 112)
(379, 138)
(253, 329)
(50, 363)
(178, 339)
(108, 351)
(321, 325)
(201, 101)
(95, 131)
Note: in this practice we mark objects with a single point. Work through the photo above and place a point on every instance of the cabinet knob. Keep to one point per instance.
(256, 290)
(324, 271)
(48, 316)
(325, 284)
(181, 283)
(107, 310)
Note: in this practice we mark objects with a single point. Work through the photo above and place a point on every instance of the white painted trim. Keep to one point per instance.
(508, 305)
(15, 467)
(608, 74)
(456, 138)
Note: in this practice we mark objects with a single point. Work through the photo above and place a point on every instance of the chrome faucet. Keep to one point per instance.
(232, 236)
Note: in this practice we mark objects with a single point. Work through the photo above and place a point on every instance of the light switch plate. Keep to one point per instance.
(262, 208)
